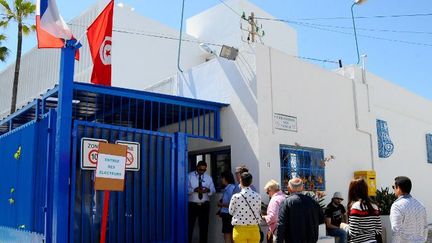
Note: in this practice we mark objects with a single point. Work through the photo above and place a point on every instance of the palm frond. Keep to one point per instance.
(28, 29)
(5, 5)
(4, 53)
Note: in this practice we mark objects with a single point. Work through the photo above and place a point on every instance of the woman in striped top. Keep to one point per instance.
(363, 216)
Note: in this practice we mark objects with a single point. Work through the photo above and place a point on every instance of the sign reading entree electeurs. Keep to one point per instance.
(111, 165)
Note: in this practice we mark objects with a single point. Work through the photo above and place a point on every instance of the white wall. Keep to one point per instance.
(323, 104)
(409, 119)
(220, 25)
(335, 111)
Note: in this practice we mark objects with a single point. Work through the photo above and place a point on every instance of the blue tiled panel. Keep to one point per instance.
(385, 145)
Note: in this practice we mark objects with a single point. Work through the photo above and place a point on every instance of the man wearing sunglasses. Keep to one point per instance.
(200, 188)
(407, 215)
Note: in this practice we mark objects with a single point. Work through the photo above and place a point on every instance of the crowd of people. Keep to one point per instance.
(295, 217)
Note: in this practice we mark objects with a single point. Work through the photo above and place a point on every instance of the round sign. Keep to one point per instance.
(129, 158)
(92, 156)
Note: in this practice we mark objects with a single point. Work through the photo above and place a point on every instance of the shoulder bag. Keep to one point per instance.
(259, 227)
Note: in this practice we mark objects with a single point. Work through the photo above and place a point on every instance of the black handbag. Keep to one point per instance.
(378, 238)
(259, 227)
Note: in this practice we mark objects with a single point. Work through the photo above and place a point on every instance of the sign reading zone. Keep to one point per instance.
(133, 155)
(89, 152)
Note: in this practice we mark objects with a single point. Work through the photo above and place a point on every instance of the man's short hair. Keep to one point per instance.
(240, 169)
(404, 183)
(272, 185)
(296, 184)
(246, 179)
(202, 163)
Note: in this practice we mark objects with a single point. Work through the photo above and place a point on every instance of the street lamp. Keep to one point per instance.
(356, 2)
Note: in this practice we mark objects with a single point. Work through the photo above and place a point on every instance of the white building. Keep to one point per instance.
(327, 114)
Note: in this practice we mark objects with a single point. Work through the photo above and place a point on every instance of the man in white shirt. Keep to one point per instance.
(407, 215)
(200, 188)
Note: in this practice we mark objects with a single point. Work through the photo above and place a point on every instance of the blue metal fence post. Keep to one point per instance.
(62, 158)
(181, 197)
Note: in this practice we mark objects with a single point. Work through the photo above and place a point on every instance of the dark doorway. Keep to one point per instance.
(218, 160)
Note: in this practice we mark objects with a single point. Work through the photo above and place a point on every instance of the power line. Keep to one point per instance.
(228, 6)
(365, 29)
(358, 17)
(367, 36)
(158, 35)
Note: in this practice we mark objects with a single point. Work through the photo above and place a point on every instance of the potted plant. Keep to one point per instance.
(384, 199)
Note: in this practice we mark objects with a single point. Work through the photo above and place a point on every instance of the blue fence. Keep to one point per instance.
(24, 202)
(153, 207)
(142, 213)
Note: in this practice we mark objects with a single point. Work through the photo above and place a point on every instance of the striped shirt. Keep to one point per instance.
(363, 226)
(408, 220)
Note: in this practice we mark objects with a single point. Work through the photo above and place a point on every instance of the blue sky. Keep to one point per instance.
(403, 58)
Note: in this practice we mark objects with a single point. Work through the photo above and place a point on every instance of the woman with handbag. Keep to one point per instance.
(228, 181)
(363, 216)
(245, 208)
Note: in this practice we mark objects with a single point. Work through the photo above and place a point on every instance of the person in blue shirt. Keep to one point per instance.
(228, 181)
(238, 171)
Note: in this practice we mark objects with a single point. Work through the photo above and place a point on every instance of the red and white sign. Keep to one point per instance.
(89, 152)
(133, 155)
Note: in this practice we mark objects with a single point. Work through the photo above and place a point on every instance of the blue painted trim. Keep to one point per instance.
(48, 186)
(181, 215)
(149, 96)
(73, 183)
(62, 159)
(125, 129)
(206, 138)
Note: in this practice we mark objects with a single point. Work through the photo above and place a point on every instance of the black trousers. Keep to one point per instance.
(200, 211)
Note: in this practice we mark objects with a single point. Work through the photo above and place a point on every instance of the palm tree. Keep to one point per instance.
(22, 9)
(4, 52)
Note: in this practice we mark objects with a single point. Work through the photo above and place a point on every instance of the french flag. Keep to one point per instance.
(51, 29)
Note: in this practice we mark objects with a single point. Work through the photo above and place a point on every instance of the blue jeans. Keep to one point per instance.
(342, 234)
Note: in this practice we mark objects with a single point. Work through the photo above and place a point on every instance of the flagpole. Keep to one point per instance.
(62, 158)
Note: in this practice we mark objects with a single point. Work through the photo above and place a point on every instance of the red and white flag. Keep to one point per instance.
(99, 36)
(50, 27)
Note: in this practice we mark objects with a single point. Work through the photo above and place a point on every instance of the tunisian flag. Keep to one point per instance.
(99, 36)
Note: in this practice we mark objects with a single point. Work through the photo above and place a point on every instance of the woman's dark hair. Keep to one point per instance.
(228, 176)
(358, 191)
(246, 179)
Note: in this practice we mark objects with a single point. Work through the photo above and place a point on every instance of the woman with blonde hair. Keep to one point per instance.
(363, 216)
(276, 198)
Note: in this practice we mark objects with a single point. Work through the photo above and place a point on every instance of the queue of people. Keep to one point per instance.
(296, 217)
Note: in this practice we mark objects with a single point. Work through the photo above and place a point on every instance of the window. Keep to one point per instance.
(305, 163)
(218, 161)
(429, 147)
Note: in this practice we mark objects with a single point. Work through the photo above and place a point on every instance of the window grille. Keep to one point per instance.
(305, 163)
(429, 147)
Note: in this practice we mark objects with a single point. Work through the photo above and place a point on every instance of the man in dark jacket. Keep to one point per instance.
(299, 216)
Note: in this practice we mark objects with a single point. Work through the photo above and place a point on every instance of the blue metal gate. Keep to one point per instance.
(142, 213)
